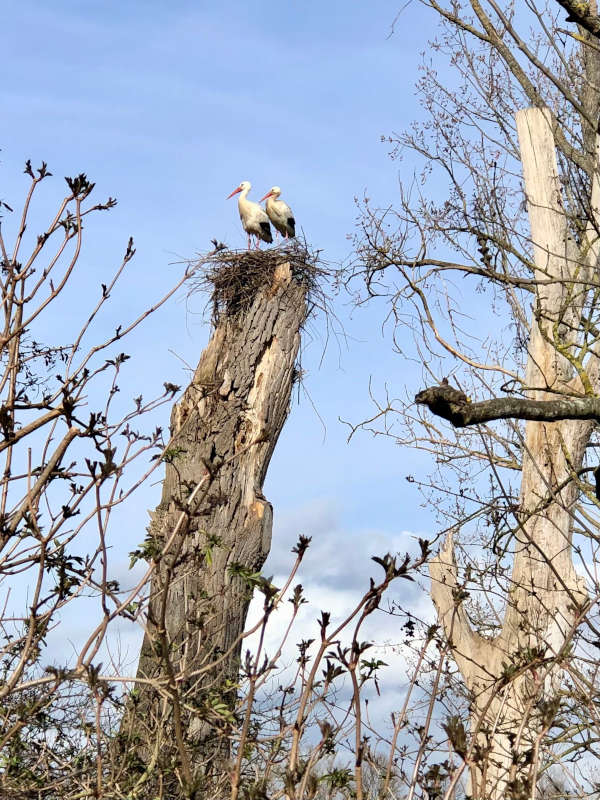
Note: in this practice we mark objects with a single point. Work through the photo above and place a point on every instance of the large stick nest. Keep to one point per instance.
(234, 277)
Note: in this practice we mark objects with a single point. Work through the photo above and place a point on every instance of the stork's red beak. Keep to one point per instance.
(235, 191)
(268, 194)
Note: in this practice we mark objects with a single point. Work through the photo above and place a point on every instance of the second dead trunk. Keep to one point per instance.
(513, 678)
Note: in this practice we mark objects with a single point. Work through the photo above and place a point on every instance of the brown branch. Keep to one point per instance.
(41, 483)
(453, 405)
(30, 428)
(493, 37)
(580, 13)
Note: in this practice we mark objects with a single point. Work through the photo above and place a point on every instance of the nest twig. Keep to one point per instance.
(234, 277)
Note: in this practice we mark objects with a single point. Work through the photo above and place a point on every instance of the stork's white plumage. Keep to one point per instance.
(254, 220)
(280, 213)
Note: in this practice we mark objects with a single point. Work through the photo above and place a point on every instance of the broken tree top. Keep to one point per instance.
(233, 277)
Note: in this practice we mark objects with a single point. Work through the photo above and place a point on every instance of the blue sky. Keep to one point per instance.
(168, 107)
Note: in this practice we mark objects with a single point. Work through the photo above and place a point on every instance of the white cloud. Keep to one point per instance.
(335, 575)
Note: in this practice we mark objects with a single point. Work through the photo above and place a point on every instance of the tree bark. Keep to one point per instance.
(209, 534)
(513, 677)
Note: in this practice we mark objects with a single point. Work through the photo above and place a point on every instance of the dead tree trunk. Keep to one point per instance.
(513, 677)
(212, 529)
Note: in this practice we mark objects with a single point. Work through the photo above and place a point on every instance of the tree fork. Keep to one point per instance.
(223, 433)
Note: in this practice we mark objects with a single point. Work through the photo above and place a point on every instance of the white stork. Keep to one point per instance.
(254, 220)
(280, 214)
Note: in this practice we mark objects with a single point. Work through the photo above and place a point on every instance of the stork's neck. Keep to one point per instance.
(245, 205)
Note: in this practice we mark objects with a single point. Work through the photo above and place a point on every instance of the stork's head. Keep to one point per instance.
(274, 192)
(244, 186)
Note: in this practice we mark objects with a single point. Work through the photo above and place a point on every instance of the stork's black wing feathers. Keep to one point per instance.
(265, 232)
(291, 225)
